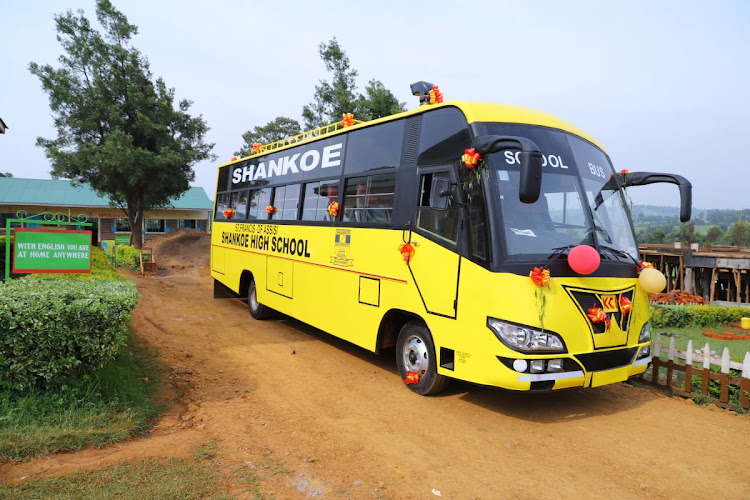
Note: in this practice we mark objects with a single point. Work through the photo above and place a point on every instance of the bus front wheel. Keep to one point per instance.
(416, 360)
(257, 310)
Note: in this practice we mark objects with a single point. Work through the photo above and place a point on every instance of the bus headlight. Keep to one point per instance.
(645, 335)
(524, 338)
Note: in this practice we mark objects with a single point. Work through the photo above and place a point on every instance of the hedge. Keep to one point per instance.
(684, 316)
(54, 328)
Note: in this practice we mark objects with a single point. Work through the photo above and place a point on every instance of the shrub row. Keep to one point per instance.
(54, 328)
(685, 316)
(124, 256)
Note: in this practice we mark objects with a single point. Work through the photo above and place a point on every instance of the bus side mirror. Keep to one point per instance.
(530, 158)
(686, 189)
(440, 193)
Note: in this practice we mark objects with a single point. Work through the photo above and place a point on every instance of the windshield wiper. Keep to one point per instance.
(617, 253)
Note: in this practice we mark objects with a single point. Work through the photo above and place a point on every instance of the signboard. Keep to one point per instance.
(122, 239)
(51, 251)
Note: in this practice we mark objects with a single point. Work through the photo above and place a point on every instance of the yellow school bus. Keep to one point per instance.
(484, 242)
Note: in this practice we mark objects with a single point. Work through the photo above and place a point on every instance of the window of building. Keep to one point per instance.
(187, 224)
(120, 225)
(369, 199)
(155, 225)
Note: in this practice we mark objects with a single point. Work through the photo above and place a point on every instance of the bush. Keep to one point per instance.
(54, 328)
(124, 256)
(664, 316)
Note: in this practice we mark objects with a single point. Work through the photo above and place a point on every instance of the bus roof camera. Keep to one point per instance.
(422, 90)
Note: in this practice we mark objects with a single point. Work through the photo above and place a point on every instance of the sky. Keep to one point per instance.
(663, 86)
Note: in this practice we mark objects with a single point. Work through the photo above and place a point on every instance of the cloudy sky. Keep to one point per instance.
(662, 85)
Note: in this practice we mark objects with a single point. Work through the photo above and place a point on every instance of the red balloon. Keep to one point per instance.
(583, 259)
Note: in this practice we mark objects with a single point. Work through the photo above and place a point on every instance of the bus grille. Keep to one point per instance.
(598, 361)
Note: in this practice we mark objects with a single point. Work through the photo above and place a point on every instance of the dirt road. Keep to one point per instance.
(317, 417)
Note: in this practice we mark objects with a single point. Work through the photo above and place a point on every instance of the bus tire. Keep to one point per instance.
(415, 353)
(257, 310)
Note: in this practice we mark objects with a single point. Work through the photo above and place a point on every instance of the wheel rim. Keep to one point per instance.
(415, 355)
(253, 298)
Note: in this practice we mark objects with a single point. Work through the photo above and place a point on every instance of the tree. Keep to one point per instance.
(379, 102)
(714, 235)
(118, 130)
(280, 128)
(340, 96)
(6, 174)
(738, 234)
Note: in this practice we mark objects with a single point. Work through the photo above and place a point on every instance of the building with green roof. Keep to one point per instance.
(28, 197)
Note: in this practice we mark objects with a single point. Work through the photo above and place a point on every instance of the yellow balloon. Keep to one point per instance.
(652, 280)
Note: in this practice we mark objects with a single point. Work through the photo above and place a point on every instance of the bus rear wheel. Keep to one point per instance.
(416, 360)
(257, 310)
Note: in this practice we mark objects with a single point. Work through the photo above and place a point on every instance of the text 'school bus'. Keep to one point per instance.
(512, 264)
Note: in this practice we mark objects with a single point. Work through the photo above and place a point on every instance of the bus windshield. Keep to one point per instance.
(576, 205)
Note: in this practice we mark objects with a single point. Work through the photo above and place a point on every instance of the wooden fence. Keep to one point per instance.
(664, 374)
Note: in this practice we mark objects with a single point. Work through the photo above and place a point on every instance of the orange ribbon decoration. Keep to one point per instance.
(407, 251)
(539, 276)
(412, 378)
(333, 208)
(597, 315)
(257, 147)
(471, 158)
(643, 265)
(229, 213)
(348, 120)
(436, 96)
(271, 210)
(625, 305)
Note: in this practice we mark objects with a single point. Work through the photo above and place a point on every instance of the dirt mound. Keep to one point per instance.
(179, 250)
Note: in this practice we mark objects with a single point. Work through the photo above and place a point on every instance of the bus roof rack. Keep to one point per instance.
(347, 121)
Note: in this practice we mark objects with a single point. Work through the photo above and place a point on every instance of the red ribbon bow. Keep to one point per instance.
(348, 120)
(407, 251)
(539, 276)
(597, 315)
(333, 208)
(271, 210)
(471, 158)
(436, 96)
(625, 305)
(412, 378)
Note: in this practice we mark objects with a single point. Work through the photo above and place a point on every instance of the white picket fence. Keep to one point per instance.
(663, 373)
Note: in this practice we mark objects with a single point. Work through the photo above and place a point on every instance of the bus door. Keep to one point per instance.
(435, 263)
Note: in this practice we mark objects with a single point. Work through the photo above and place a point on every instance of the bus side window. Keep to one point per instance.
(369, 199)
(286, 201)
(222, 203)
(318, 196)
(259, 200)
(442, 223)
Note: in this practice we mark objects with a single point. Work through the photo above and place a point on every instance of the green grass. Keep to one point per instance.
(150, 478)
(97, 409)
(737, 348)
